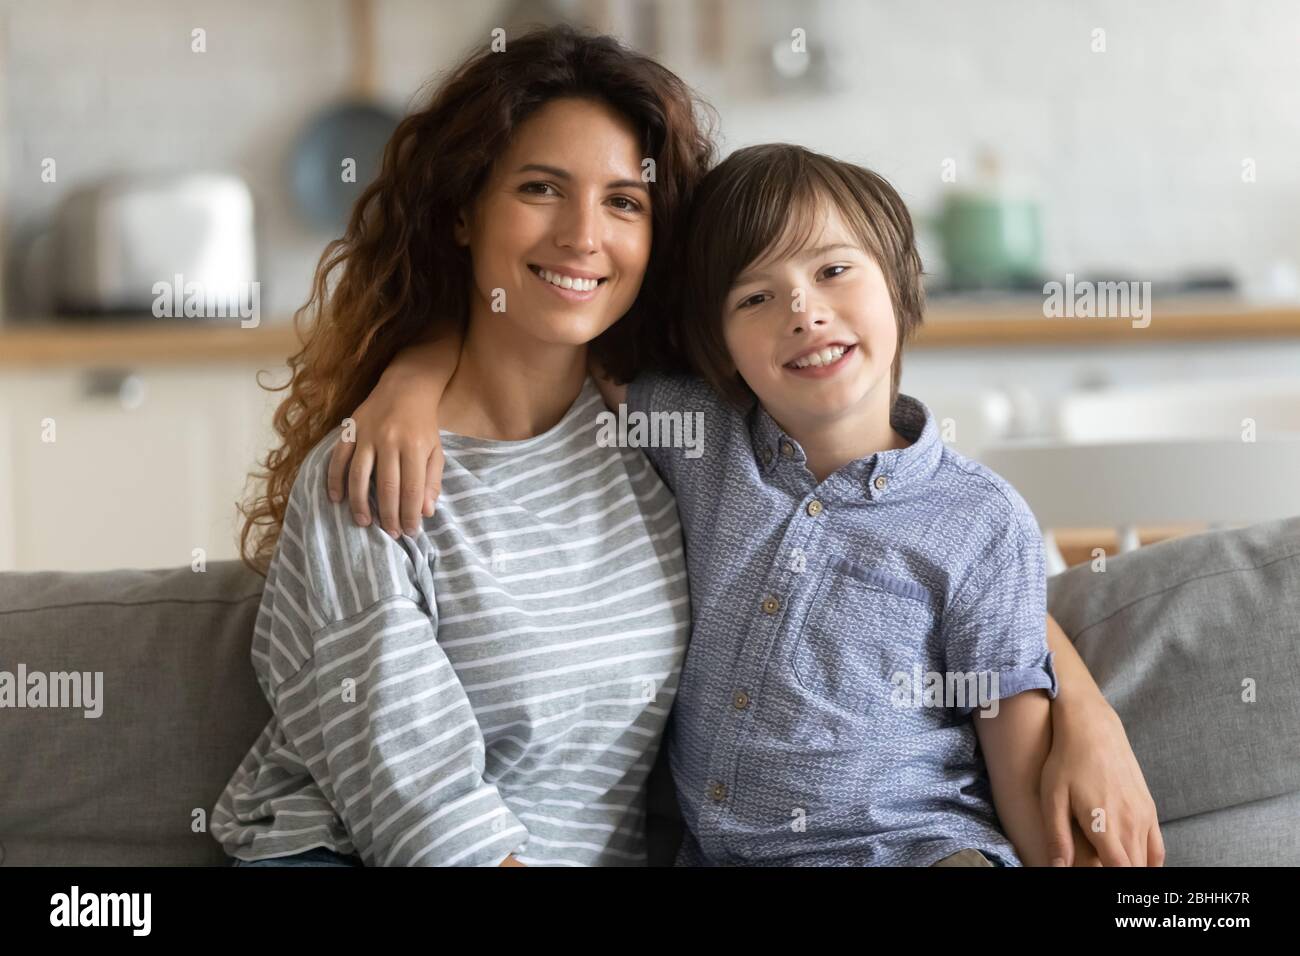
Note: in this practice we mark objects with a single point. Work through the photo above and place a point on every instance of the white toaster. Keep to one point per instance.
(118, 239)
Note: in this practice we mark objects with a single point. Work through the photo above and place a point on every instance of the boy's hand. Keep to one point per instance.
(396, 437)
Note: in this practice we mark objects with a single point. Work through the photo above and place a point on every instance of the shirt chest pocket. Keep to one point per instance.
(862, 627)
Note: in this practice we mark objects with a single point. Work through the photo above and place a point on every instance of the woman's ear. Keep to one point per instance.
(461, 230)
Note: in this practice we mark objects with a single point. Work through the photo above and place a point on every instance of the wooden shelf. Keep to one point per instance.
(1017, 323)
(1076, 544)
(145, 342)
(948, 324)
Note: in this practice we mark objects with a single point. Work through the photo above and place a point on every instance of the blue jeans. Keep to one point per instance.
(318, 856)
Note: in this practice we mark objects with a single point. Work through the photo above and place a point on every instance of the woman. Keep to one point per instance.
(490, 685)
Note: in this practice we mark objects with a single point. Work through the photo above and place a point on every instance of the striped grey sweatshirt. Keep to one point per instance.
(496, 684)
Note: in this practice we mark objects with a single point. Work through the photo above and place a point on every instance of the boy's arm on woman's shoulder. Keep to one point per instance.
(394, 435)
(658, 391)
(683, 413)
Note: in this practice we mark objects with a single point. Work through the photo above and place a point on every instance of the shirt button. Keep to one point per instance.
(740, 699)
(787, 450)
(814, 508)
(718, 793)
(881, 483)
(771, 605)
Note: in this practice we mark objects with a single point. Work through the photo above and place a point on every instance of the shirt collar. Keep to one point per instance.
(879, 476)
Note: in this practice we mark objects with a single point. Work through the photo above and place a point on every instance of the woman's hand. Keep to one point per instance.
(395, 435)
(1092, 768)
(1085, 854)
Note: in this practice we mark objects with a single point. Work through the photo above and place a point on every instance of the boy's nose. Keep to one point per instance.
(802, 322)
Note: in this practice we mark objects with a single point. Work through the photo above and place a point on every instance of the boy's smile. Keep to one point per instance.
(822, 360)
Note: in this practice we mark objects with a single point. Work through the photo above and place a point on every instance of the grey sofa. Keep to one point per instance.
(1176, 634)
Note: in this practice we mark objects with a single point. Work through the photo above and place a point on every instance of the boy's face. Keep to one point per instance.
(782, 316)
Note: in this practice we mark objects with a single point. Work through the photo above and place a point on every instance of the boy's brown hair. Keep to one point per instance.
(744, 206)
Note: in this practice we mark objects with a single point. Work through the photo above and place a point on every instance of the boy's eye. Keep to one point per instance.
(829, 272)
(755, 299)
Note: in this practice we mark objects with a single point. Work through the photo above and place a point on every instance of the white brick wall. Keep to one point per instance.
(1136, 152)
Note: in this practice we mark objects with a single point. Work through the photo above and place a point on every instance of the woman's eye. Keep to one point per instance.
(755, 299)
(536, 189)
(829, 272)
(629, 204)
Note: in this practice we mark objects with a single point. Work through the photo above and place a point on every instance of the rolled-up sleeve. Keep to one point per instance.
(996, 627)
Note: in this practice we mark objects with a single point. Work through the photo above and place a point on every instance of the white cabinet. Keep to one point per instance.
(111, 468)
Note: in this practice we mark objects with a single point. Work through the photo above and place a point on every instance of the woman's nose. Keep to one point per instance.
(579, 229)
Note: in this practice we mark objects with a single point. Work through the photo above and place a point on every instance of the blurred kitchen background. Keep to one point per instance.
(1035, 141)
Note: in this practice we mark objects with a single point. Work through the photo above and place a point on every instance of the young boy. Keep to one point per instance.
(868, 675)
(858, 589)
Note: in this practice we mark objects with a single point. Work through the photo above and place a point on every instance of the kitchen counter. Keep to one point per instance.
(949, 323)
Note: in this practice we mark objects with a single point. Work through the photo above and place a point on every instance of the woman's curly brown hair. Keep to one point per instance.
(402, 273)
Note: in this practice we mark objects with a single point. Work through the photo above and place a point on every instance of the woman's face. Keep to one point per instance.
(560, 234)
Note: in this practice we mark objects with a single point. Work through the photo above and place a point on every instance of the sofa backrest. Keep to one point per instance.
(1196, 644)
(180, 707)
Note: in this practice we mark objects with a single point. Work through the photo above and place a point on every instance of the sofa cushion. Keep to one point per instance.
(180, 708)
(1261, 833)
(1176, 635)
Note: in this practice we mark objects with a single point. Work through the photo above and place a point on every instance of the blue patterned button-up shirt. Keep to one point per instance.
(843, 632)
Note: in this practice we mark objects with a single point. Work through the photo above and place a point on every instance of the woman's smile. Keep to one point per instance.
(572, 285)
